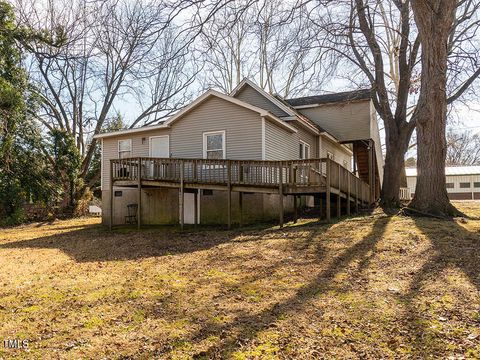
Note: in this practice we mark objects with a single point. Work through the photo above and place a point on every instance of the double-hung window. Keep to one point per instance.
(304, 150)
(214, 145)
(124, 148)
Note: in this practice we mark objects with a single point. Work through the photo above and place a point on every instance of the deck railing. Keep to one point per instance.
(405, 194)
(254, 173)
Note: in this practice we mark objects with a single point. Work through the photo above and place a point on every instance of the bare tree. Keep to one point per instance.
(463, 148)
(435, 21)
(226, 49)
(116, 51)
(289, 54)
(381, 40)
(266, 41)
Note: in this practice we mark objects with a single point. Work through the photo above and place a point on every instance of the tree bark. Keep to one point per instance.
(396, 147)
(434, 21)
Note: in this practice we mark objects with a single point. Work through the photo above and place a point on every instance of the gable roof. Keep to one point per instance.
(262, 92)
(208, 94)
(281, 104)
(346, 96)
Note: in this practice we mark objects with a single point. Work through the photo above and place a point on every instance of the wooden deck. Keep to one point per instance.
(292, 177)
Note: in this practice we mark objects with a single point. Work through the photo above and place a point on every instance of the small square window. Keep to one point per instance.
(450, 185)
(464, 185)
(476, 184)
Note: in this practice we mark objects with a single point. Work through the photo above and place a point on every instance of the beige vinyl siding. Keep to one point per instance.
(243, 130)
(243, 135)
(346, 121)
(337, 150)
(253, 97)
(140, 147)
(280, 144)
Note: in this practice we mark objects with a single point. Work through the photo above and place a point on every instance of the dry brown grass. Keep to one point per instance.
(366, 287)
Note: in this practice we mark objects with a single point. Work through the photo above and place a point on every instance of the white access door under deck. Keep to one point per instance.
(189, 208)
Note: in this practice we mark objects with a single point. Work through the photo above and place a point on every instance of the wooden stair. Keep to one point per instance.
(361, 152)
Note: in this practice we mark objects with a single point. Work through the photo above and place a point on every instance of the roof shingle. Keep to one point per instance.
(346, 96)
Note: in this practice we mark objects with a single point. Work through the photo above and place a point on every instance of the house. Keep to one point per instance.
(463, 182)
(244, 157)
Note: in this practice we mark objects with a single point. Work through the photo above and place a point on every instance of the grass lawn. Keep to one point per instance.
(366, 287)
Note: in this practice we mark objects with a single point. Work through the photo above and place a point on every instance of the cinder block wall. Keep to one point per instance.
(161, 206)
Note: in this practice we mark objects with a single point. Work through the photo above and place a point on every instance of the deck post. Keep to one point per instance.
(139, 182)
(339, 205)
(240, 204)
(229, 195)
(111, 195)
(320, 200)
(182, 196)
(339, 197)
(195, 207)
(356, 194)
(295, 209)
(348, 194)
(280, 193)
(327, 198)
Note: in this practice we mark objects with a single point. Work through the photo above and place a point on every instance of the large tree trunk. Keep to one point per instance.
(434, 21)
(394, 164)
(397, 138)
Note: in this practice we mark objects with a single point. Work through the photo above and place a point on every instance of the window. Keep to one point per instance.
(464, 185)
(330, 155)
(450, 186)
(124, 148)
(304, 150)
(476, 184)
(214, 145)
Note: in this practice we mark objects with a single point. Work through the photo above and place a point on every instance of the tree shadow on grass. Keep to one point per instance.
(453, 247)
(247, 326)
(93, 243)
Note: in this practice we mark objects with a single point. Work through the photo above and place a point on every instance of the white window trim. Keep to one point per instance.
(101, 166)
(118, 146)
(305, 146)
(224, 142)
(154, 137)
(264, 152)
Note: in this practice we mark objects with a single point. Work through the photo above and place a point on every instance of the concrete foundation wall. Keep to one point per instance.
(161, 206)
